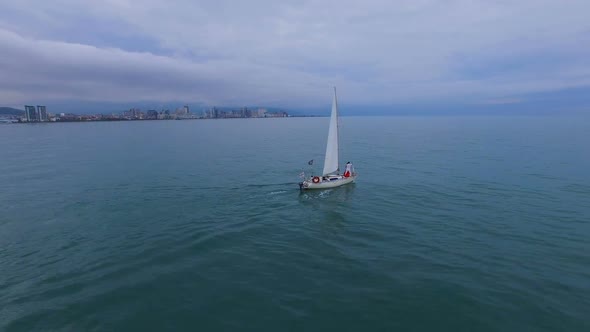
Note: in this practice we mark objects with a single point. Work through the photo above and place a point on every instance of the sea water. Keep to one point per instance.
(454, 224)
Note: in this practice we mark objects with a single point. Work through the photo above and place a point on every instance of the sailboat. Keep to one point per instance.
(331, 176)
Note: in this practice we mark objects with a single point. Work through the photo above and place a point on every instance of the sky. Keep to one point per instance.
(383, 56)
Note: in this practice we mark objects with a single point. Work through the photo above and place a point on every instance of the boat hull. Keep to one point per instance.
(327, 184)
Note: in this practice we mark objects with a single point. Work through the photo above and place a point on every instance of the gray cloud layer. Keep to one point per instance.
(263, 52)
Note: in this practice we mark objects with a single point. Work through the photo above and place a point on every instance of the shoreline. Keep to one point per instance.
(15, 121)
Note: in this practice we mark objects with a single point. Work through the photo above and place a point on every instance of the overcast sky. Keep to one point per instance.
(290, 53)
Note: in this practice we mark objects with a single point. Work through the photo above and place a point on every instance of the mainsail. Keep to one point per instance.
(331, 161)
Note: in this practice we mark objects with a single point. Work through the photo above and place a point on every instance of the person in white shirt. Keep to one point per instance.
(348, 171)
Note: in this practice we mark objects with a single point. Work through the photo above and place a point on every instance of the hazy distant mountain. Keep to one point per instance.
(11, 111)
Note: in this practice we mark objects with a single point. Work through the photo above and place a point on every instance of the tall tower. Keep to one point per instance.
(42, 113)
(31, 113)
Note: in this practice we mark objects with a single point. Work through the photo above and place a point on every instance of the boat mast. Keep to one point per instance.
(337, 128)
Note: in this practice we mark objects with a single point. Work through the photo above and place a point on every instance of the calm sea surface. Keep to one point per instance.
(455, 224)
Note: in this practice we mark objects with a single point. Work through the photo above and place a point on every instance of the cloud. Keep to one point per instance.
(290, 53)
(58, 70)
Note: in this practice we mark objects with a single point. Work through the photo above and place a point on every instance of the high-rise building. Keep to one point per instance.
(260, 112)
(152, 114)
(31, 113)
(42, 113)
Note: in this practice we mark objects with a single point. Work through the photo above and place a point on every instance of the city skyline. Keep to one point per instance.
(384, 57)
(33, 114)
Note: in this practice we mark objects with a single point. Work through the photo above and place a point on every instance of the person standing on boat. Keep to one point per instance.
(348, 170)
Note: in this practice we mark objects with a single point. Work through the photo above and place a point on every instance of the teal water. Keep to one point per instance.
(455, 224)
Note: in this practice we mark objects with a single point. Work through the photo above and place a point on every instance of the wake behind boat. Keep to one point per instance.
(331, 174)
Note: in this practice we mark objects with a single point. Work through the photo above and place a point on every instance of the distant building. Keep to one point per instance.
(259, 113)
(31, 114)
(152, 114)
(42, 113)
(164, 115)
(278, 114)
(133, 114)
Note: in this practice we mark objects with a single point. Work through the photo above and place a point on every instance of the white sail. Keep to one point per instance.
(331, 161)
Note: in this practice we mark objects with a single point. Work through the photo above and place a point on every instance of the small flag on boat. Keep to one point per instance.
(310, 162)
